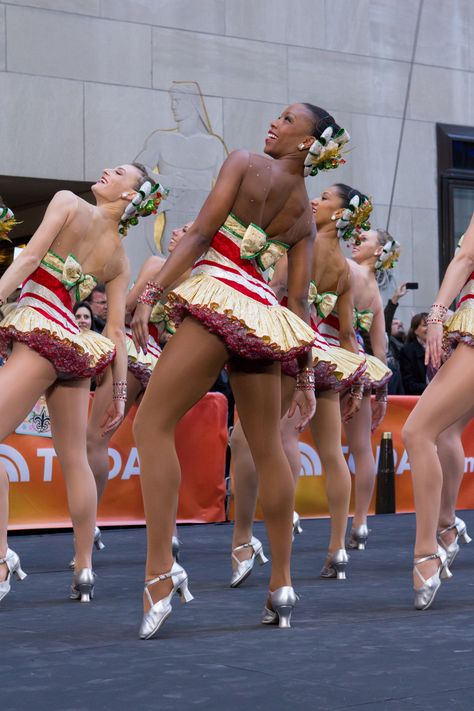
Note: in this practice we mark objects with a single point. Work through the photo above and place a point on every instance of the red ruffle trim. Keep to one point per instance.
(324, 375)
(369, 384)
(235, 334)
(139, 371)
(459, 337)
(64, 355)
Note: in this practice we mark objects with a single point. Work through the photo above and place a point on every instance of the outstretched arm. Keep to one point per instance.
(58, 211)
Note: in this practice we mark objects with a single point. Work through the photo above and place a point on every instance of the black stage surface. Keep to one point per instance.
(355, 645)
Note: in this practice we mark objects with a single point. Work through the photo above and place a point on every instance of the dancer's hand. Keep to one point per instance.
(434, 345)
(305, 401)
(113, 416)
(350, 406)
(140, 321)
(379, 409)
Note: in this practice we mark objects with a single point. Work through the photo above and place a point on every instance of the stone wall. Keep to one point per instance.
(85, 81)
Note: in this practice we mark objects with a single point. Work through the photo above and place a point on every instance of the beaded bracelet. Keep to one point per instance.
(120, 390)
(305, 379)
(437, 314)
(150, 294)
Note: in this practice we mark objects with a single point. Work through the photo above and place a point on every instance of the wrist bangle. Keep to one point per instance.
(119, 389)
(305, 379)
(150, 294)
(437, 314)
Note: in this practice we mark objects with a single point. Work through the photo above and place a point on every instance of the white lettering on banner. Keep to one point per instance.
(468, 465)
(404, 465)
(132, 467)
(310, 461)
(15, 464)
(116, 463)
(48, 453)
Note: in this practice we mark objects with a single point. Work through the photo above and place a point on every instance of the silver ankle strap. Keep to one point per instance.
(449, 528)
(417, 561)
(163, 576)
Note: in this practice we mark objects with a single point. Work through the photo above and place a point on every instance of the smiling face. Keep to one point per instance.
(178, 234)
(366, 246)
(294, 126)
(324, 207)
(83, 318)
(116, 181)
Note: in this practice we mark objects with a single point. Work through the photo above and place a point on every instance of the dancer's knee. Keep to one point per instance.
(413, 434)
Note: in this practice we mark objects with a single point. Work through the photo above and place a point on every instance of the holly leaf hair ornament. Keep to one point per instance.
(355, 217)
(7, 222)
(145, 203)
(389, 255)
(325, 152)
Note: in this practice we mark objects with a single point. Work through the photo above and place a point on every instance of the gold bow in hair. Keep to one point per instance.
(363, 320)
(74, 276)
(324, 303)
(256, 246)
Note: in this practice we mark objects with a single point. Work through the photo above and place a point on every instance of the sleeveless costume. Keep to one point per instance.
(140, 364)
(377, 373)
(228, 294)
(45, 322)
(459, 328)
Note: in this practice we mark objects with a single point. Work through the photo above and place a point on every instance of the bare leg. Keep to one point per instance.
(97, 441)
(326, 430)
(187, 368)
(289, 434)
(451, 457)
(24, 377)
(444, 402)
(68, 405)
(358, 433)
(258, 400)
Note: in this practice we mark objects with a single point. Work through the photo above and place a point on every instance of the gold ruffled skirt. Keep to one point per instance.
(377, 374)
(337, 368)
(459, 328)
(140, 364)
(249, 328)
(81, 355)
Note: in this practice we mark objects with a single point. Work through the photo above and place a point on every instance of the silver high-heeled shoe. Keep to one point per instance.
(161, 610)
(297, 529)
(12, 561)
(358, 537)
(175, 548)
(82, 587)
(244, 567)
(425, 595)
(279, 606)
(461, 534)
(98, 543)
(335, 565)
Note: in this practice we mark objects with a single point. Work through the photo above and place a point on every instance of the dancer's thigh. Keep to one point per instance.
(326, 426)
(23, 379)
(186, 370)
(448, 398)
(358, 428)
(68, 406)
(103, 398)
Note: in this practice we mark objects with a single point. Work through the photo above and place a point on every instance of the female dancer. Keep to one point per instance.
(373, 253)
(445, 402)
(330, 284)
(257, 211)
(49, 353)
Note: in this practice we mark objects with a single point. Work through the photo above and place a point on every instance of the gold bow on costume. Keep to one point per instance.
(256, 246)
(74, 276)
(363, 320)
(324, 303)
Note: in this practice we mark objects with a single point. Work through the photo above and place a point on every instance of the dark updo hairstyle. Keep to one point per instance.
(321, 120)
(346, 193)
(144, 175)
(415, 322)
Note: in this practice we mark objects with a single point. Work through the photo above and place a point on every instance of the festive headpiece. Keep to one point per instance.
(325, 152)
(7, 222)
(355, 217)
(389, 255)
(145, 202)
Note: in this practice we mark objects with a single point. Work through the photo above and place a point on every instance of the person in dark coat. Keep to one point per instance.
(412, 357)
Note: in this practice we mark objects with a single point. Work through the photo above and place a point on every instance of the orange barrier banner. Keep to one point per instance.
(38, 494)
(311, 494)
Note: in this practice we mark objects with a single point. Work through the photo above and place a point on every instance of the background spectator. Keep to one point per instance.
(84, 315)
(97, 300)
(396, 338)
(412, 357)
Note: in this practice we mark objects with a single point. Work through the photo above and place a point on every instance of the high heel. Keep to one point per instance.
(98, 543)
(12, 561)
(82, 587)
(335, 565)
(461, 534)
(358, 537)
(161, 610)
(425, 595)
(175, 548)
(279, 606)
(244, 567)
(297, 529)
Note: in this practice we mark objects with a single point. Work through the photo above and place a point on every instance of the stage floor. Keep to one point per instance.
(356, 645)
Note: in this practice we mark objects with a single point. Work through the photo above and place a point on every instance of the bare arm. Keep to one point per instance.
(377, 331)
(58, 211)
(279, 281)
(150, 267)
(345, 311)
(300, 268)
